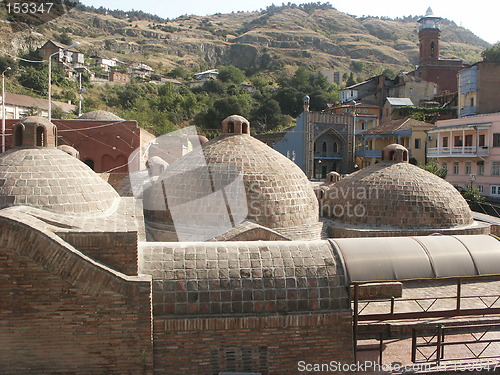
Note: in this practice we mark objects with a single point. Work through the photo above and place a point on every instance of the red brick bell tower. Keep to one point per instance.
(429, 34)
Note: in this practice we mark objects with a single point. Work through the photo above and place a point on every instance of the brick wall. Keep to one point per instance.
(269, 345)
(60, 312)
(115, 250)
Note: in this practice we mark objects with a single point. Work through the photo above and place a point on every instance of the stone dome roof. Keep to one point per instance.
(396, 194)
(50, 179)
(278, 194)
(100, 115)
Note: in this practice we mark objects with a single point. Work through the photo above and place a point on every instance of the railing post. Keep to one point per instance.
(438, 348)
(459, 293)
(381, 347)
(413, 345)
(392, 305)
(355, 322)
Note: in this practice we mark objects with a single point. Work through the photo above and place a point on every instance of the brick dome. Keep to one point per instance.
(50, 179)
(278, 194)
(396, 194)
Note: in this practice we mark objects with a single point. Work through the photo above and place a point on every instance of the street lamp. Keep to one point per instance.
(50, 74)
(3, 107)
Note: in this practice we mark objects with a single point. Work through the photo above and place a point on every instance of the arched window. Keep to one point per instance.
(18, 135)
(324, 148)
(230, 127)
(40, 136)
(432, 49)
(335, 147)
(405, 156)
(244, 128)
(90, 163)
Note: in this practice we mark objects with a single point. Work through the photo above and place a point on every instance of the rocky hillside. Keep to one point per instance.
(322, 38)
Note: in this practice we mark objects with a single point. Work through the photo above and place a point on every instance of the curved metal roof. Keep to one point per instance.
(406, 258)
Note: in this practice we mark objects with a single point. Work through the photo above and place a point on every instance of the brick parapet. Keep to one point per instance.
(63, 312)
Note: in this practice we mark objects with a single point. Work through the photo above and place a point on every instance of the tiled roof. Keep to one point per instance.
(398, 125)
(28, 102)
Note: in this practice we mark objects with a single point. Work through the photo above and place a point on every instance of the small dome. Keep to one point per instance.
(396, 194)
(51, 179)
(69, 150)
(34, 131)
(100, 115)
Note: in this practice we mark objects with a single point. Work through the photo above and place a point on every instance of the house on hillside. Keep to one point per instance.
(71, 58)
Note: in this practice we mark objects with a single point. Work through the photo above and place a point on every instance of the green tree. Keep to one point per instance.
(64, 38)
(5, 62)
(350, 81)
(358, 66)
(36, 80)
(435, 168)
(492, 54)
(231, 74)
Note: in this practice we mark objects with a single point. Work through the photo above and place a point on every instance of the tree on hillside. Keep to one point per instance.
(492, 54)
(231, 74)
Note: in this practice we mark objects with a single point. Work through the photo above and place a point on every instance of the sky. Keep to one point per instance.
(481, 19)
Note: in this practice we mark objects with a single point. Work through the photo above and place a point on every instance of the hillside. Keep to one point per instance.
(321, 38)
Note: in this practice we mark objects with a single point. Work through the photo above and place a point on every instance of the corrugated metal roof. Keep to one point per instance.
(400, 101)
(407, 258)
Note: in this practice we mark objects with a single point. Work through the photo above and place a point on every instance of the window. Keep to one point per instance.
(335, 148)
(417, 143)
(496, 140)
(445, 141)
(40, 136)
(363, 125)
(495, 168)
(458, 141)
(468, 168)
(495, 190)
(445, 165)
(324, 148)
(480, 168)
(412, 91)
(480, 188)
(468, 140)
(481, 140)
(456, 168)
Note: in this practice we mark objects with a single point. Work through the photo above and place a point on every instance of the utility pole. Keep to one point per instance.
(3, 107)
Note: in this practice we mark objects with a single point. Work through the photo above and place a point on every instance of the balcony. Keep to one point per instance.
(467, 151)
(369, 153)
(327, 155)
(468, 111)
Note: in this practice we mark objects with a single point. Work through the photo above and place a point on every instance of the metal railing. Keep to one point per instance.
(473, 339)
(424, 307)
(458, 151)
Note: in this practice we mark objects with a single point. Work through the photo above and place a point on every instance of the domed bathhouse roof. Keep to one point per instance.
(36, 173)
(100, 115)
(233, 178)
(397, 198)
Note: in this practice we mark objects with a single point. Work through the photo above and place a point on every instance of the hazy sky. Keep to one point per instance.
(482, 18)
